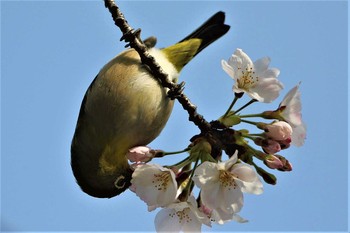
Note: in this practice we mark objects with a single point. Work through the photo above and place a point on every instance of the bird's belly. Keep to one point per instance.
(128, 114)
(120, 110)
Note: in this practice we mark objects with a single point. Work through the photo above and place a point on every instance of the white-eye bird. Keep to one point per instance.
(125, 106)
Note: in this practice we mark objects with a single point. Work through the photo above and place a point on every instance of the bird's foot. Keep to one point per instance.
(130, 36)
(176, 91)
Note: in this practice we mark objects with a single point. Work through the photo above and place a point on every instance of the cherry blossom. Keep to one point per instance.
(222, 184)
(155, 185)
(181, 216)
(255, 79)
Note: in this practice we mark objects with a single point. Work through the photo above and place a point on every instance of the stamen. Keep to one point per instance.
(161, 180)
(227, 179)
(248, 79)
(183, 215)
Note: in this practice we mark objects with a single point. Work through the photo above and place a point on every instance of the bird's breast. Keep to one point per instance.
(124, 107)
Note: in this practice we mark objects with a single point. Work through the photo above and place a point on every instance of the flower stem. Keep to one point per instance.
(231, 106)
(256, 153)
(251, 115)
(246, 105)
(248, 122)
(256, 134)
(188, 186)
(177, 152)
(182, 163)
(250, 136)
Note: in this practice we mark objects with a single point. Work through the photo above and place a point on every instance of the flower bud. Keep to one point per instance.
(271, 146)
(285, 143)
(278, 130)
(140, 154)
(287, 166)
(273, 162)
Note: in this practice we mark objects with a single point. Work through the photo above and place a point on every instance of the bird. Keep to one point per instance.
(125, 106)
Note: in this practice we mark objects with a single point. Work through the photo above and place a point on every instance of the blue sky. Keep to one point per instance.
(51, 51)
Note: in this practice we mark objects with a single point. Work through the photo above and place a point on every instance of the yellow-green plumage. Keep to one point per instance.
(181, 53)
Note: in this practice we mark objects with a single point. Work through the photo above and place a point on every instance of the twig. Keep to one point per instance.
(132, 37)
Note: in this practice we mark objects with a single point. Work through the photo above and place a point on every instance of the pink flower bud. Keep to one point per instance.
(273, 162)
(285, 143)
(278, 130)
(140, 154)
(287, 166)
(271, 146)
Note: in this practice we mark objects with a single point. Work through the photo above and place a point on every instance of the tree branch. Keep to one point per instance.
(220, 137)
(132, 37)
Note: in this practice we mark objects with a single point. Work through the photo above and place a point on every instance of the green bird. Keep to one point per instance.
(125, 106)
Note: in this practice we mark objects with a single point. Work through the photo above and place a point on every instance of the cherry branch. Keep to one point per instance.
(132, 37)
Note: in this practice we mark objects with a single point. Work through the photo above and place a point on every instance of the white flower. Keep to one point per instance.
(255, 79)
(155, 185)
(182, 216)
(222, 184)
(290, 110)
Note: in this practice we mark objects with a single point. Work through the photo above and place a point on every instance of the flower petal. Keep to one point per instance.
(270, 73)
(166, 221)
(247, 178)
(267, 90)
(193, 225)
(211, 195)
(231, 200)
(262, 64)
(219, 216)
(246, 61)
(229, 163)
(293, 93)
(181, 216)
(299, 135)
(206, 173)
(228, 69)
(292, 107)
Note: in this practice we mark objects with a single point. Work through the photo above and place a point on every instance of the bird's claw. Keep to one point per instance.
(130, 35)
(176, 90)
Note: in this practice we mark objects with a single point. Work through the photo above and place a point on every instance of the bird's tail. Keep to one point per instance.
(182, 52)
(209, 31)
